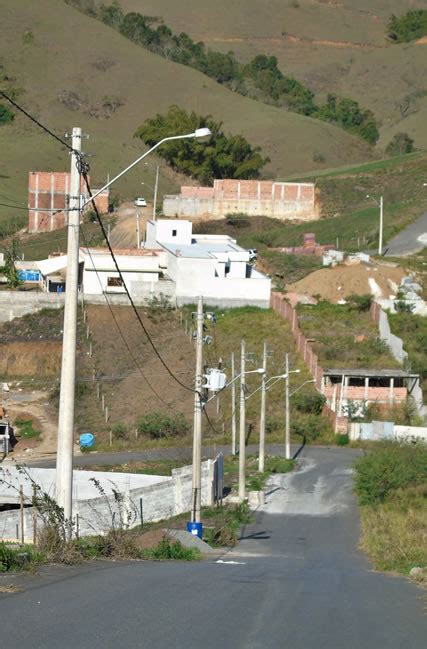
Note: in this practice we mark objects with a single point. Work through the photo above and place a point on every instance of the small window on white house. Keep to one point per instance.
(114, 281)
(174, 233)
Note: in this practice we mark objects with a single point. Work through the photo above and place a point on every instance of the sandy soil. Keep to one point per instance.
(333, 284)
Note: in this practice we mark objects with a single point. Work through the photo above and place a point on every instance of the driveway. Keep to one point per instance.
(412, 239)
(296, 580)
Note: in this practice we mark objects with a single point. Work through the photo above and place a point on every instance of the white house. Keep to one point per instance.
(140, 270)
(213, 266)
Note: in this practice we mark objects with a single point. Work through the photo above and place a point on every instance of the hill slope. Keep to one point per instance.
(71, 67)
(336, 46)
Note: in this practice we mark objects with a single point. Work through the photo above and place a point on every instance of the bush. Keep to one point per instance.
(409, 27)
(360, 302)
(160, 426)
(6, 115)
(119, 431)
(168, 549)
(342, 440)
(399, 144)
(311, 403)
(387, 468)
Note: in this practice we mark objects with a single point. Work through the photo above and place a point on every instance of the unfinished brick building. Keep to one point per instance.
(49, 190)
(278, 200)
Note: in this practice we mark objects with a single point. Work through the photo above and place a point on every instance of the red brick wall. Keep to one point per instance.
(48, 190)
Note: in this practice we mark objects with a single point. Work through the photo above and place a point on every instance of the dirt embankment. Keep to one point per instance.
(30, 359)
(334, 284)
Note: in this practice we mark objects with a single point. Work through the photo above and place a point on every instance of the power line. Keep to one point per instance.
(150, 340)
(35, 121)
(121, 332)
(84, 168)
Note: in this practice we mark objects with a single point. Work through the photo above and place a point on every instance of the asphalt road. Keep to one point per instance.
(298, 581)
(412, 239)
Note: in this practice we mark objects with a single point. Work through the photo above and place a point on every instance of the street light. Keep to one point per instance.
(64, 458)
(380, 204)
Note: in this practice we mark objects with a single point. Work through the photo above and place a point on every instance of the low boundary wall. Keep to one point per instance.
(160, 501)
(287, 312)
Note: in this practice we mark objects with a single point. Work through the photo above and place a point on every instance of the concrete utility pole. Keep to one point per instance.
(233, 407)
(64, 458)
(138, 230)
(242, 436)
(287, 428)
(155, 193)
(197, 426)
(261, 457)
(380, 238)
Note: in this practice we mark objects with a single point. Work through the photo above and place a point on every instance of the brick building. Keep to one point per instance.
(279, 200)
(49, 190)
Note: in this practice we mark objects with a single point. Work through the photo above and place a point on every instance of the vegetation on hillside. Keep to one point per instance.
(260, 79)
(390, 482)
(400, 143)
(413, 331)
(344, 335)
(6, 115)
(409, 27)
(222, 157)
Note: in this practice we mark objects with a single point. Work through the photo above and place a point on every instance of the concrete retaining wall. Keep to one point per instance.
(15, 304)
(160, 501)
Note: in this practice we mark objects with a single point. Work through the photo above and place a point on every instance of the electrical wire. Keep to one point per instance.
(150, 340)
(137, 365)
(83, 169)
(35, 121)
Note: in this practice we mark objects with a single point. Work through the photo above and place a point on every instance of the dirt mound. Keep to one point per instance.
(336, 283)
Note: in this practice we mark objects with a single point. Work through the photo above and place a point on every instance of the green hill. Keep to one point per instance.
(337, 46)
(73, 70)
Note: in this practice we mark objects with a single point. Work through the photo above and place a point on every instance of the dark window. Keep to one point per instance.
(114, 281)
(174, 233)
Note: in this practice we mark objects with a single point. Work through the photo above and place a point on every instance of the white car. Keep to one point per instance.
(140, 202)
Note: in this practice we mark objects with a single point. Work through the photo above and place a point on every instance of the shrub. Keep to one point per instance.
(168, 549)
(399, 144)
(311, 403)
(408, 27)
(119, 431)
(342, 440)
(360, 302)
(160, 426)
(387, 468)
(6, 115)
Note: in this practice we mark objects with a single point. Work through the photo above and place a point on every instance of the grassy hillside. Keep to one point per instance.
(330, 46)
(74, 70)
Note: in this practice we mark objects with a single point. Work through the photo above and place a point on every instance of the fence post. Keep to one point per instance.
(21, 508)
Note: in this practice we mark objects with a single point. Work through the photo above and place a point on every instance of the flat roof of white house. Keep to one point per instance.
(204, 248)
(125, 252)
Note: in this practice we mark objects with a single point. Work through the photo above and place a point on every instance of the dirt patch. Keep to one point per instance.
(334, 284)
(149, 539)
(34, 406)
(38, 359)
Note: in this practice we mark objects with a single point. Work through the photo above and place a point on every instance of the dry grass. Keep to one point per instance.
(394, 534)
(73, 65)
(10, 588)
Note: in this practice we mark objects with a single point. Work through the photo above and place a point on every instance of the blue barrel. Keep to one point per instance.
(196, 529)
(87, 440)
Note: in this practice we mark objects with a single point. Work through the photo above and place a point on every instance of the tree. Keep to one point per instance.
(409, 27)
(224, 156)
(399, 144)
(10, 257)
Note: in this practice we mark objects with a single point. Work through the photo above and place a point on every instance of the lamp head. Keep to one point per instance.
(202, 132)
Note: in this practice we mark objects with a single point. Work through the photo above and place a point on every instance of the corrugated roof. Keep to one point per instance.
(362, 372)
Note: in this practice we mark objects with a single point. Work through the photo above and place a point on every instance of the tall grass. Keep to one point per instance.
(391, 484)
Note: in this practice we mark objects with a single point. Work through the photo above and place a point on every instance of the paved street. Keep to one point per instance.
(297, 581)
(412, 239)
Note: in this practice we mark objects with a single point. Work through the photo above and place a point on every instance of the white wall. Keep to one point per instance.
(97, 283)
(168, 231)
(197, 277)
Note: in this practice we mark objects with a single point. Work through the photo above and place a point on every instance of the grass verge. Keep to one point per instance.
(390, 482)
